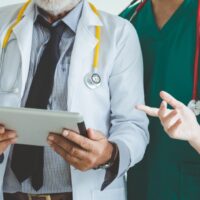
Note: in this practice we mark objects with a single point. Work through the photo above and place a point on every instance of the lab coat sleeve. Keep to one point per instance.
(129, 127)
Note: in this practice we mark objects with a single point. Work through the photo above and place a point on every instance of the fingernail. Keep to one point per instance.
(163, 104)
(51, 138)
(65, 133)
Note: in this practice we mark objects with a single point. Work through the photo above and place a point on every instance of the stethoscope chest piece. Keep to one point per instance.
(195, 107)
(92, 80)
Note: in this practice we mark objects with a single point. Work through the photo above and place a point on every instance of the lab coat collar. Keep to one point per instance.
(30, 11)
(23, 33)
(89, 17)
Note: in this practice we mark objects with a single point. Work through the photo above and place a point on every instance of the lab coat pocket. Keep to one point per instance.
(10, 68)
(190, 181)
(110, 194)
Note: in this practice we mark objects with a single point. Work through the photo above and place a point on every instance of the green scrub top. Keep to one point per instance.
(171, 168)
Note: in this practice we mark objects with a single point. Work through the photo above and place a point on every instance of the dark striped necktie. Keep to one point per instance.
(28, 161)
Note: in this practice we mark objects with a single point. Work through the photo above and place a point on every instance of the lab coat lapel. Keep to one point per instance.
(23, 32)
(85, 43)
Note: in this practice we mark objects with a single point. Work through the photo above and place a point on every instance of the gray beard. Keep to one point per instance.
(56, 7)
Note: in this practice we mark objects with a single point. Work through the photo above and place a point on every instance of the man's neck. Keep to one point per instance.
(164, 9)
(52, 18)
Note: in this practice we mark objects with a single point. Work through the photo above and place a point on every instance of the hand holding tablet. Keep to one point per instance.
(34, 125)
(7, 138)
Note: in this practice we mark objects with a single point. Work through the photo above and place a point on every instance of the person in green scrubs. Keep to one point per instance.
(171, 168)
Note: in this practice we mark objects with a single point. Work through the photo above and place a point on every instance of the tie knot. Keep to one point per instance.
(56, 30)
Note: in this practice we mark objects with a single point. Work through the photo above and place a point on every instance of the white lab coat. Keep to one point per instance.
(109, 108)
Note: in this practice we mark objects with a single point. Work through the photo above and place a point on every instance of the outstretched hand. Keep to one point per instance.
(179, 122)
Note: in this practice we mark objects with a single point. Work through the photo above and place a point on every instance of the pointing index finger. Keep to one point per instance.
(148, 110)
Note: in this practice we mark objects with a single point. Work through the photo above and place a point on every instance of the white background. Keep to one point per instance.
(112, 6)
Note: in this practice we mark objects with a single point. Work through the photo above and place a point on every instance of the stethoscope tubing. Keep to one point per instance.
(196, 59)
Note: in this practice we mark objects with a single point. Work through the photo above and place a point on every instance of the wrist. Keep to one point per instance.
(195, 139)
(112, 156)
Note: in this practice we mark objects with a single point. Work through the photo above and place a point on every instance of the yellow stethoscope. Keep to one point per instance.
(93, 79)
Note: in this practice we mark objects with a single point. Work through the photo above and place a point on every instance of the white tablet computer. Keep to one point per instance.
(34, 125)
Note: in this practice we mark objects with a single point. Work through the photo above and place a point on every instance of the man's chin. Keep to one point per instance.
(56, 7)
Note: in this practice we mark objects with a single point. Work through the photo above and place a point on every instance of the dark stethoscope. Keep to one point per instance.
(194, 104)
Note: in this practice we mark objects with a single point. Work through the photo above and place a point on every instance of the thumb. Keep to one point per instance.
(95, 135)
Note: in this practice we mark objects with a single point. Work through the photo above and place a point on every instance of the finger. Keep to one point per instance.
(169, 117)
(2, 129)
(6, 143)
(60, 141)
(173, 129)
(81, 141)
(68, 146)
(95, 135)
(8, 135)
(59, 150)
(148, 110)
(171, 100)
(162, 111)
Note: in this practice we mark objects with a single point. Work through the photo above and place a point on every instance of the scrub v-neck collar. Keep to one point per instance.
(170, 24)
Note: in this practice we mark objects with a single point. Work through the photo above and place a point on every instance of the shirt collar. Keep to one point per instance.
(71, 19)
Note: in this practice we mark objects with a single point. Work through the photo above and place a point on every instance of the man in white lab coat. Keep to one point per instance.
(44, 64)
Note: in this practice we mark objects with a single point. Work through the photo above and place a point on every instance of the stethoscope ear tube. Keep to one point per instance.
(194, 104)
(134, 2)
(137, 10)
(131, 4)
(196, 59)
